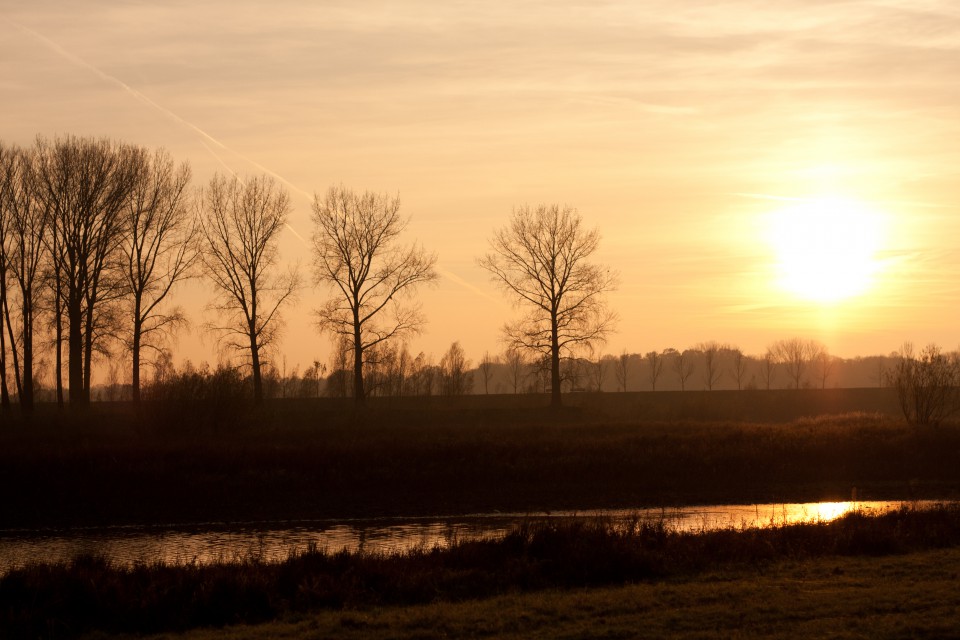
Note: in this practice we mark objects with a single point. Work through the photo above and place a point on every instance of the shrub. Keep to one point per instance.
(928, 384)
(200, 399)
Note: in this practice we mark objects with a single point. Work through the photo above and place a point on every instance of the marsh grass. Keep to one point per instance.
(91, 593)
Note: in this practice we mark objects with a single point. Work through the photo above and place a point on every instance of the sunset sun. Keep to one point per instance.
(826, 249)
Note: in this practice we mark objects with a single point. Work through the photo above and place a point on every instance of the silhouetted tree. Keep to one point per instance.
(241, 223)
(795, 355)
(541, 259)
(516, 362)
(453, 368)
(486, 366)
(927, 384)
(711, 362)
(738, 366)
(423, 375)
(23, 226)
(684, 364)
(6, 162)
(159, 249)
(620, 370)
(824, 364)
(598, 371)
(357, 254)
(654, 368)
(768, 368)
(84, 185)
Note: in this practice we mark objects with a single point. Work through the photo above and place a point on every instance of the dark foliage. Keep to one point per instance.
(199, 400)
(91, 593)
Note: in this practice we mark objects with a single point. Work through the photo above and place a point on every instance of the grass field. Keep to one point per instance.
(907, 596)
(291, 464)
(858, 577)
(546, 578)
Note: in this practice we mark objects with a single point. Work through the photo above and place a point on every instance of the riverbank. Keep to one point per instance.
(92, 594)
(893, 597)
(108, 472)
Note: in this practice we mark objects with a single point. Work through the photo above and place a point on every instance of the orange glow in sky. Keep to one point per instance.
(757, 171)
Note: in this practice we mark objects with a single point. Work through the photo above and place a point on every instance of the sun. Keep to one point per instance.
(826, 248)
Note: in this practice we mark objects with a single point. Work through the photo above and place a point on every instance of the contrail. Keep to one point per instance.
(463, 283)
(205, 138)
(147, 101)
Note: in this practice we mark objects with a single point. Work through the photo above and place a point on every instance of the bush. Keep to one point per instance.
(928, 385)
(200, 399)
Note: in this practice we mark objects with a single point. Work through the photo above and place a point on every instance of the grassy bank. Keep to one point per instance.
(893, 597)
(91, 594)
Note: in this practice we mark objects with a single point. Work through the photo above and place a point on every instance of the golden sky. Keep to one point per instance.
(682, 130)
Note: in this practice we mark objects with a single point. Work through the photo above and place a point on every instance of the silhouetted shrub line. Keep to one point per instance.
(111, 475)
(91, 593)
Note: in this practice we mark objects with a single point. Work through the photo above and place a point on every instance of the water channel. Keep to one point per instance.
(272, 541)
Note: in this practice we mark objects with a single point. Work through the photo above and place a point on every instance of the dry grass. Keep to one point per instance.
(89, 594)
(912, 596)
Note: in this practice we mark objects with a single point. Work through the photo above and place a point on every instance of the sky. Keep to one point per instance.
(700, 138)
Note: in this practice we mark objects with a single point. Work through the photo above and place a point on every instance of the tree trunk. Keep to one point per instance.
(13, 350)
(59, 338)
(135, 373)
(255, 363)
(359, 395)
(4, 391)
(75, 353)
(554, 363)
(88, 354)
(26, 397)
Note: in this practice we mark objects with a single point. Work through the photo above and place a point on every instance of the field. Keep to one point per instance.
(912, 596)
(545, 578)
(299, 460)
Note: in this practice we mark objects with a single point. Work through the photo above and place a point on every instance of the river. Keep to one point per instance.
(272, 541)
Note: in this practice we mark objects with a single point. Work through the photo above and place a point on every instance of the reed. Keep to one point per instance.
(91, 593)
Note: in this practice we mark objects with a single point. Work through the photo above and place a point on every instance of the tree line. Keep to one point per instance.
(95, 235)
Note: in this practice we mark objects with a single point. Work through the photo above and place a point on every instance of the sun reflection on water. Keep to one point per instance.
(128, 546)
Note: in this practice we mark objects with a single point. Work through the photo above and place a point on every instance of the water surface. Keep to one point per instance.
(273, 541)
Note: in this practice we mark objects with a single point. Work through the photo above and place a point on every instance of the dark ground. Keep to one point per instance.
(309, 459)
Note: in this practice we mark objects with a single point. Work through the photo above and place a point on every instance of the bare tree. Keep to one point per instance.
(598, 371)
(711, 362)
(6, 185)
(927, 385)
(768, 368)
(486, 366)
(684, 364)
(620, 370)
(23, 252)
(241, 222)
(84, 185)
(823, 364)
(541, 259)
(453, 368)
(654, 368)
(738, 366)
(357, 254)
(339, 383)
(516, 363)
(795, 355)
(159, 250)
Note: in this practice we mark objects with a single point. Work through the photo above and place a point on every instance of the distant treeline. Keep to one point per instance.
(96, 236)
(397, 372)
